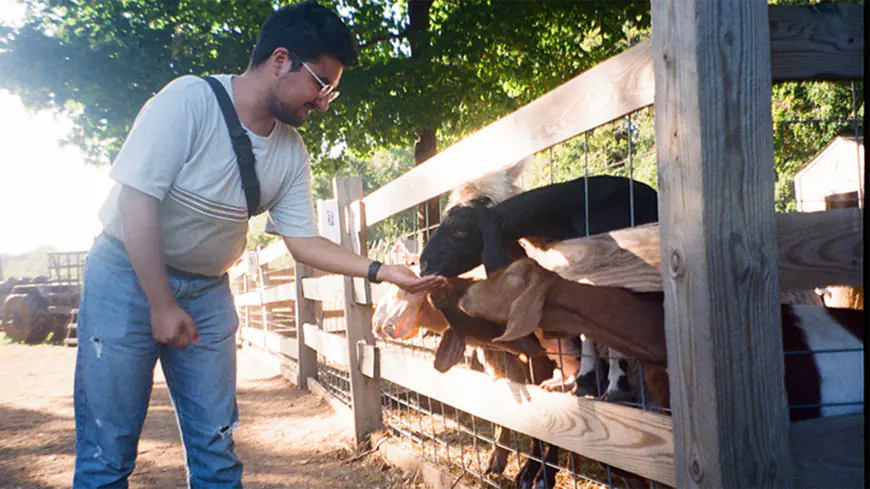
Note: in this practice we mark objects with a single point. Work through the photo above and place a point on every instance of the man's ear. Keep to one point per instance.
(527, 309)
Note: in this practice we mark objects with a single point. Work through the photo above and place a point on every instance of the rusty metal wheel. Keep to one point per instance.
(59, 324)
(25, 317)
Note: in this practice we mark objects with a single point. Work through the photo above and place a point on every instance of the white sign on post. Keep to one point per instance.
(327, 220)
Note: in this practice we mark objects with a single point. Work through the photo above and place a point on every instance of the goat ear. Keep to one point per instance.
(527, 309)
(515, 170)
(450, 351)
(494, 255)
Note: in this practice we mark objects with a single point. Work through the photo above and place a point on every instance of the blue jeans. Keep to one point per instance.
(115, 368)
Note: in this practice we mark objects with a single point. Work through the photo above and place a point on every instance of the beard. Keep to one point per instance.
(282, 111)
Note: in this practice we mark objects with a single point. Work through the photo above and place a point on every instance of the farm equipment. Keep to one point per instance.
(72, 337)
(34, 310)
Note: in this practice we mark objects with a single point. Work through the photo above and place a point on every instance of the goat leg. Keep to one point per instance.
(618, 388)
(587, 381)
(497, 460)
(529, 471)
(547, 477)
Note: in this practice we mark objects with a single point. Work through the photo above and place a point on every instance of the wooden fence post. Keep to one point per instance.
(365, 391)
(718, 243)
(261, 278)
(306, 310)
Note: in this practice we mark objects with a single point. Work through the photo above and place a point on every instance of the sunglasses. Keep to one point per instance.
(327, 92)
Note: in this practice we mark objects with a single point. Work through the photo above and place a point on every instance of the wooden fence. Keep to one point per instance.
(722, 257)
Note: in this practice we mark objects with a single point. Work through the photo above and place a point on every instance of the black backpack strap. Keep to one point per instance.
(241, 145)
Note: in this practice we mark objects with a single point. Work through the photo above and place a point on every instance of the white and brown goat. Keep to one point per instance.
(824, 374)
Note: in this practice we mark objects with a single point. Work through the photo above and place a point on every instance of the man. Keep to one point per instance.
(155, 284)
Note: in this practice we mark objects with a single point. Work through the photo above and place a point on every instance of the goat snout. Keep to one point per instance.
(426, 268)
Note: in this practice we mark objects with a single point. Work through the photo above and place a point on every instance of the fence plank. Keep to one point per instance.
(339, 407)
(248, 299)
(272, 342)
(618, 86)
(718, 240)
(625, 437)
(821, 248)
(365, 392)
(411, 461)
(306, 313)
(829, 452)
(324, 289)
(817, 42)
(252, 335)
(816, 249)
(276, 343)
(271, 253)
(331, 346)
(279, 293)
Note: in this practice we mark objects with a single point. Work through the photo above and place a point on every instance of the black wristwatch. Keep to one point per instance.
(373, 271)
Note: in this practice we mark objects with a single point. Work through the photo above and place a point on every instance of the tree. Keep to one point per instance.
(463, 65)
(432, 70)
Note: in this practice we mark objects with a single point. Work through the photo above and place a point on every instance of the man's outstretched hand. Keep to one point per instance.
(409, 281)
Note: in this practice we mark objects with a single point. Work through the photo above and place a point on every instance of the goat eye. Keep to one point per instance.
(460, 234)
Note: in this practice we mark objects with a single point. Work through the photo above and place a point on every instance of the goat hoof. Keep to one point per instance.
(523, 484)
(581, 391)
(616, 395)
(526, 477)
(545, 483)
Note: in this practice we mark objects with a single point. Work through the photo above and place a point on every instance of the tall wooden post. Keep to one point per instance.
(718, 243)
(306, 311)
(264, 307)
(365, 391)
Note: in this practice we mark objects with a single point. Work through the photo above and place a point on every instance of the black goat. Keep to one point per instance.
(478, 232)
(474, 234)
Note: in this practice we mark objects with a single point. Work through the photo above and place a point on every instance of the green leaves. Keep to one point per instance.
(478, 61)
(100, 60)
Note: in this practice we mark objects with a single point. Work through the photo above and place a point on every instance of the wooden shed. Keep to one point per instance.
(834, 178)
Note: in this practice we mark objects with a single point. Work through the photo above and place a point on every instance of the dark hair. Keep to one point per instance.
(308, 30)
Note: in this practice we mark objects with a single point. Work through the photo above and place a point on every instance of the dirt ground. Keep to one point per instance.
(286, 438)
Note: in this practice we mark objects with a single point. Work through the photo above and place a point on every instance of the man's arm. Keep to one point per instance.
(143, 240)
(325, 255)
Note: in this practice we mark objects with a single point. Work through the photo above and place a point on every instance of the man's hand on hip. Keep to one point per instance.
(172, 326)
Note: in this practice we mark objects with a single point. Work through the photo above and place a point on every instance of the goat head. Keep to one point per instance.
(524, 285)
(468, 236)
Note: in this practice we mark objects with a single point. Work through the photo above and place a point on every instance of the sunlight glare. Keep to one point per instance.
(48, 196)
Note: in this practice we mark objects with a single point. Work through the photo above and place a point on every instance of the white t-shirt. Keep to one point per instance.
(179, 151)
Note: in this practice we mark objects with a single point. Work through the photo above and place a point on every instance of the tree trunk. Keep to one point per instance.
(429, 212)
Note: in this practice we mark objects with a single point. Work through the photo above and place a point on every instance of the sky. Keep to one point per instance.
(48, 195)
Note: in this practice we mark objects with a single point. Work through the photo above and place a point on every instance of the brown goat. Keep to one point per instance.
(401, 315)
(526, 297)
(438, 311)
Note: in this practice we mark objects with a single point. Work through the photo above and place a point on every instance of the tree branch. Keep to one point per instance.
(386, 37)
